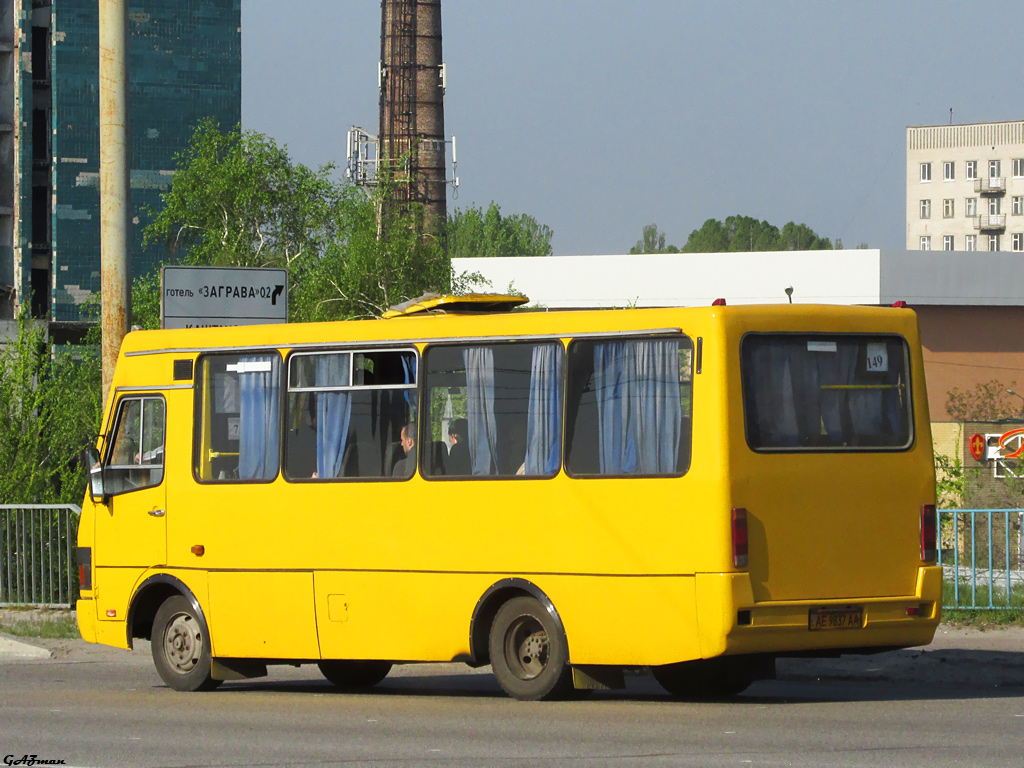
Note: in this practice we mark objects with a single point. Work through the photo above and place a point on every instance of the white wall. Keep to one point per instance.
(690, 279)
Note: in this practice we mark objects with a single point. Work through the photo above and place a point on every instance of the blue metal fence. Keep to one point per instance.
(981, 552)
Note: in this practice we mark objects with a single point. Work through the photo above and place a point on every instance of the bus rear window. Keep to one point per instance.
(840, 392)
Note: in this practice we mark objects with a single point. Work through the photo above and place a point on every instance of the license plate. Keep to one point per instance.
(847, 617)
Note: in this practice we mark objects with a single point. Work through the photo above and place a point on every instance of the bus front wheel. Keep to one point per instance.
(181, 650)
(529, 657)
(355, 674)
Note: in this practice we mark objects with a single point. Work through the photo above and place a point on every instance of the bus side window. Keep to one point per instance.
(629, 407)
(136, 458)
(237, 435)
(495, 410)
(346, 411)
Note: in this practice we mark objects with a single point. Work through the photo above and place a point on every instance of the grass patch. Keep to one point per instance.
(982, 618)
(49, 624)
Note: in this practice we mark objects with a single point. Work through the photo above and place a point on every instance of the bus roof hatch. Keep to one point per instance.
(471, 303)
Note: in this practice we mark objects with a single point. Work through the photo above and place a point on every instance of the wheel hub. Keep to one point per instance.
(527, 648)
(183, 643)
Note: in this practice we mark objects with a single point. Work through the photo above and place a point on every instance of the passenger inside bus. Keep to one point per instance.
(458, 453)
(406, 465)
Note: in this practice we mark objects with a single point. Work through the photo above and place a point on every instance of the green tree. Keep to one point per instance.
(989, 401)
(236, 199)
(146, 301)
(49, 412)
(653, 241)
(361, 274)
(743, 233)
(475, 232)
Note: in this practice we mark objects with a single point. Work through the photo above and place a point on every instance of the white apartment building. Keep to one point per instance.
(965, 187)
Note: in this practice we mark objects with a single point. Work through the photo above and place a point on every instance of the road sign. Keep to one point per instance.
(203, 297)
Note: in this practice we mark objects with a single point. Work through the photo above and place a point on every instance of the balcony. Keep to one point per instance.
(993, 185)
(993, 222)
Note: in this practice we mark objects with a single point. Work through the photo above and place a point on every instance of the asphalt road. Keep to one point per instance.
(961, 702)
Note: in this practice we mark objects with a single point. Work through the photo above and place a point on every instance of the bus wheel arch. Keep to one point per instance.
(490, 603)
(150, 595)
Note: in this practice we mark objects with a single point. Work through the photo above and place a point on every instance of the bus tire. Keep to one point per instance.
(529, 655)
(181, 651)
(354, 674)
(704, 679)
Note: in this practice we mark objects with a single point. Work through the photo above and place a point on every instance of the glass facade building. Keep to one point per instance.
(184, 65)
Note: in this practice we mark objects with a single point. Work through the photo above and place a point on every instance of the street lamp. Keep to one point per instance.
(1017, 394)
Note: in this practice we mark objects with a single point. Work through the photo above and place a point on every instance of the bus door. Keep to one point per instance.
(131, 533)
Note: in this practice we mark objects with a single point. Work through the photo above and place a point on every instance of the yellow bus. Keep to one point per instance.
(557, 494)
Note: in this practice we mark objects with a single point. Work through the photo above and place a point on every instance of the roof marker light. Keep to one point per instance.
(899, 304)
(718, 303)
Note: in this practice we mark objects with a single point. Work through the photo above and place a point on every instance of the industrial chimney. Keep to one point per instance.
(412, 80)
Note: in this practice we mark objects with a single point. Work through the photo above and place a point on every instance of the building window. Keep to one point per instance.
(971, 206)
(1018, 206)
(926, 243)
(993, 242)
(948, 170)
(926, 209)
(926, 171)
(972, 170)
(947, 208)
(1017, 241)
(971, 243)
(993, 206)
(993, 169)
(1018, 168)
(947, 242)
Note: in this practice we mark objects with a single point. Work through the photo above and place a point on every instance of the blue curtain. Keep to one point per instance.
(638, 406)
(835, 368)
(259, 393)
(334, 411)
(616, 446)
(483, 429)
(656, 410)
(544, 413)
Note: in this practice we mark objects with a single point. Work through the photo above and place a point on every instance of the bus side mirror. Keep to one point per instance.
(92, 464)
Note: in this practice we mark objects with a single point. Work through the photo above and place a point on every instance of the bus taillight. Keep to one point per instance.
(928, 533)
(739, 537)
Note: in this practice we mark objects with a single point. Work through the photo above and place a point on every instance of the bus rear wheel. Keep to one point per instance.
(704, 679)
(354, 674)
(181, 651)
(529, 657)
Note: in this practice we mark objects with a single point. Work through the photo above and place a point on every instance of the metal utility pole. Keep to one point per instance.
(411, 135)
(114, 181)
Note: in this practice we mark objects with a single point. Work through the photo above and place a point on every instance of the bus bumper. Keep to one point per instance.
(731, 622)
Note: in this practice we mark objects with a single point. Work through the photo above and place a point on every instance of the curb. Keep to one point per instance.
(14, 649)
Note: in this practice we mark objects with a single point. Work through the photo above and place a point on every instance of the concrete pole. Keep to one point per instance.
(114, 182)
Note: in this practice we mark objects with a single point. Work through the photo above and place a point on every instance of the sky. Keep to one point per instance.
(598, 117)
